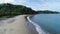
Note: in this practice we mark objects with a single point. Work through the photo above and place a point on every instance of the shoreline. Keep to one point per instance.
(17, 25)
(31, 27)
(37, 27)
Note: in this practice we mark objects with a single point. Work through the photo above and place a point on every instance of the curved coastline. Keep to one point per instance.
(37, 27)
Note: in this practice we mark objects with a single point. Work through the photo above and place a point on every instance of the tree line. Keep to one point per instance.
(8, 9)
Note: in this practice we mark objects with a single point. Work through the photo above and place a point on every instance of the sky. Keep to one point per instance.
(53, 5)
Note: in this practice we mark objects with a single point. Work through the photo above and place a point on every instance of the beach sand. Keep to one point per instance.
(16, 25)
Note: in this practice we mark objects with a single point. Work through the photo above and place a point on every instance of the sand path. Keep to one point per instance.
(14, 26)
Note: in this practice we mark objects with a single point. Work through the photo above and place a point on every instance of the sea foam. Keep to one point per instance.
(38, 28)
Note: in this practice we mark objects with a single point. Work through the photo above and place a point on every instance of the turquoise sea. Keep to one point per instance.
(48, 22)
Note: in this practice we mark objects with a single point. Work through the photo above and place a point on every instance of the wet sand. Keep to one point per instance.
(16, 25)
(31, 28)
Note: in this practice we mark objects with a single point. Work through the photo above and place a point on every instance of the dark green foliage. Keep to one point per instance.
(10, 10)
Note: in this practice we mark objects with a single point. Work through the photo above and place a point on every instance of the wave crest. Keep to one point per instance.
(38, 28)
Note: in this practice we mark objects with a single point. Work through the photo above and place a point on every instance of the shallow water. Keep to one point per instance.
(48, 22)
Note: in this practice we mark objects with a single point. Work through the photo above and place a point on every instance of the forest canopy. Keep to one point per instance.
(8, 9)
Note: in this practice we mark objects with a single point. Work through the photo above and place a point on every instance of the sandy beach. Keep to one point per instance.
(15, 25)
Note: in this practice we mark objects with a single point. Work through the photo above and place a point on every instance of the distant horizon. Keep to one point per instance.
(26, 6)
(53, 5)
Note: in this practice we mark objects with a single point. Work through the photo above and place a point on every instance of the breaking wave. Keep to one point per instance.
(38, 28)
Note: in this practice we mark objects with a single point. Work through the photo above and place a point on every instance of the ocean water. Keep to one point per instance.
(48, 22)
